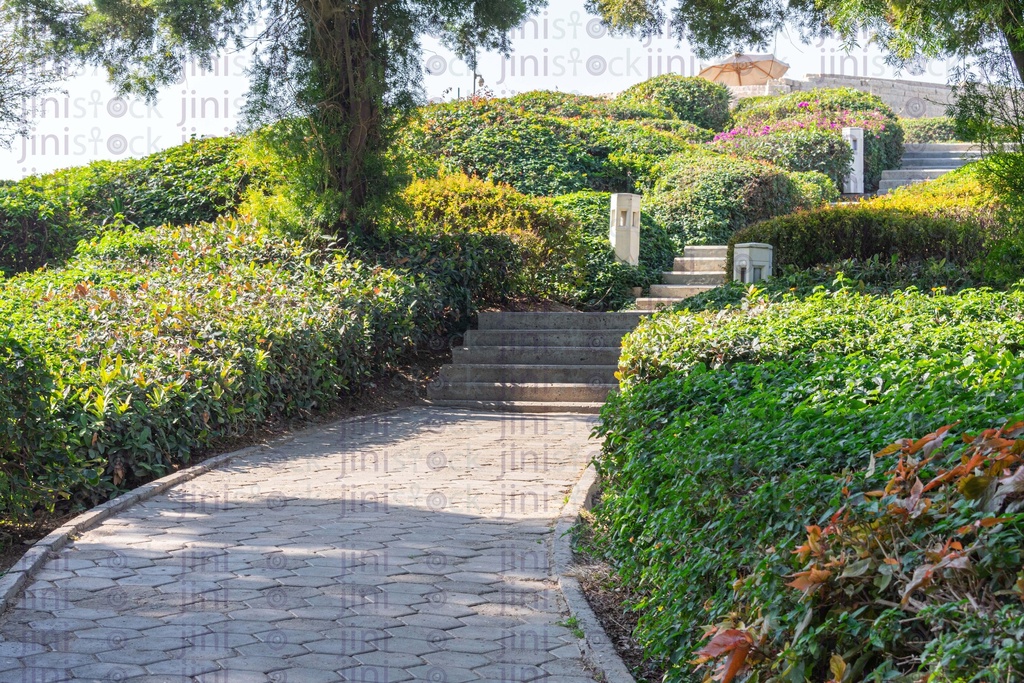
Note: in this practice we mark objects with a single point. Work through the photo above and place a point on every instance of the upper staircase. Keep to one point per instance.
(927, 161)
(699, 269)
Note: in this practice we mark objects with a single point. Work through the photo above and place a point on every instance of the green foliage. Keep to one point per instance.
(794, 149)
(832, 109)
(570, 106)
(536, 153)
(933, 129)
(43, 218)
(703, 198)
(152, 343)
(954, 218)
(606, 282)
(691, 98)
(736, 429)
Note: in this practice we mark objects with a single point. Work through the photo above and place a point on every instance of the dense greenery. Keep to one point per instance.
(690, 98)
(736, 429)
(832, 109)
(150, 344)
(955, 218)
(933, 129)
(701, 197)
(44, 217)
(794, 146)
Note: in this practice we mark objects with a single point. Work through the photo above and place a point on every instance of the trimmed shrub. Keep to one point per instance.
(152, 343)
(934, 129)
(737, 429)
(43, 218)
(534, 153)
(690, 98)
(833, 109)
(953, 218)
(606, 282)
(703, 198)
(566, 105)
(792, 147)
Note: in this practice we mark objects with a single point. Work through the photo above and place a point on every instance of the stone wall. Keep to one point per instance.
(910, 99)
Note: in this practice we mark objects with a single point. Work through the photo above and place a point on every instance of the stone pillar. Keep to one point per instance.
(854, 181)
(751, 262)
(624, 227)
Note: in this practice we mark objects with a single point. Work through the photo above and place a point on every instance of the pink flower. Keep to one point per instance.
(804, 105)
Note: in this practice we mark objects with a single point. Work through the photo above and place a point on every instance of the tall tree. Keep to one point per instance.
(906, 28)
(350, 67)
(24, 76)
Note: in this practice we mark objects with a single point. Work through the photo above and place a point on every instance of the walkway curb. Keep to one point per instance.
(598, 648)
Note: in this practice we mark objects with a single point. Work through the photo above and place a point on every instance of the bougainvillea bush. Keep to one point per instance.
(833, 109)
(735, 430)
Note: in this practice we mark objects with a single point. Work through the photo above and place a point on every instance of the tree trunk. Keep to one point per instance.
(1011, 27)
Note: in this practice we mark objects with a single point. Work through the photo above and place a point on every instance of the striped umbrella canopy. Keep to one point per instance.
(741, 69)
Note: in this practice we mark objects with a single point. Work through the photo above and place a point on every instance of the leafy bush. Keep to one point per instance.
(691, 98)
(703, 198)
(934, 129)
(534, 153)
(151, 343)
(953, 218)
(833, 109)
(735, 429)
(606, 283)
(793, 147)
(483, 243)
(43, 218)
(918, 572)
(567, 105)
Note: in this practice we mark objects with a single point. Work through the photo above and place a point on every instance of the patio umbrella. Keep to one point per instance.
(740, 69)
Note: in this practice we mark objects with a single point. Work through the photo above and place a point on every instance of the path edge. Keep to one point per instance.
(597, 646)
(23, 571)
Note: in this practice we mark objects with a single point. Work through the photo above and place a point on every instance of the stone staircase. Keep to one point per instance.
(697, 270)
(535, 362)
(924, 162)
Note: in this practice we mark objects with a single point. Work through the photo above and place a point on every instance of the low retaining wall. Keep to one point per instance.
(909, 99)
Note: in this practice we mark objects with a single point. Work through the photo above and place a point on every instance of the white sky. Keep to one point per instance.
(563, 48)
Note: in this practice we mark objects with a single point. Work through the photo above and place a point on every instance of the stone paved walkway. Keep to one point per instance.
(409, 546)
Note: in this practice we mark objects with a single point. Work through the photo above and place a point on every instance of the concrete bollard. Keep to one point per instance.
(752, 262)
(624, 227)
(854, 181)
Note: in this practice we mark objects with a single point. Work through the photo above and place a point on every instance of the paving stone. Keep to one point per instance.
(333, 581)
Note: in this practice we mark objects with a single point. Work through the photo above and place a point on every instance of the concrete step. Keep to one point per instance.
(913, 174)
(675, 278)
(534, 372)
(545, 392)
(699, 264)
(578, 407)
(968, 156)
(570, 320)
(652, 303)
(939, 147)
(946, 164)
(545, 338)
(706, 250)
(678, 291)
(527, 355)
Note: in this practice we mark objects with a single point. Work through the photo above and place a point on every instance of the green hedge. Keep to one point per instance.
(43, 218)
(735, 430)
(690, 98)
(795, 149)
(537, 154)
(703, 198)
(833, 109)
(934, 129)
(150, 344)
(583, 106)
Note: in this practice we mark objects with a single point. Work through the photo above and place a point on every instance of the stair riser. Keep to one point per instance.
(684, 264)
(912, 175)
(583, 374)
(558, 321)
(593, 408)
(932, 164)
(712, 251)
(542, 339)
(650, 304)
(677, 291)
(713, 279)
(531, 356)
(519, 392)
